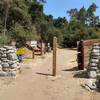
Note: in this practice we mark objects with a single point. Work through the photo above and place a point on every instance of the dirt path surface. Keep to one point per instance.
(36, 83)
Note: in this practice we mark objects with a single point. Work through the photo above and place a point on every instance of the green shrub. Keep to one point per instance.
(4, 40)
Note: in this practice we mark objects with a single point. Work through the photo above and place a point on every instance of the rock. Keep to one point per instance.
(96, 46)
(1, 52)
(92, 74)
(95, 54)
(12, 56)
(91, 84)
(95, 50)
(10, 51)
(3, 55)
(93, 64)
(8, 69)
(3, 59)
(12, 73)
(86, 87)
(94, 60)
(5, 69)
(12, 62)
(14, 65)
(2, 49)
(5, 65)
(0, 61)
(8, 47)
(2, 73)
(94, 68)
(0, 67)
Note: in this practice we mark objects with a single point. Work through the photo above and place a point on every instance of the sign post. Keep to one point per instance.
(54, 56)
(41, 42)
(33, 54)
(33, 45)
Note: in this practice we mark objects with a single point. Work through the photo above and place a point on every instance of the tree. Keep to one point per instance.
(82, 15)
(91, 18)
(16, 13)
(73, 13)
(24, 20)
(83, 24)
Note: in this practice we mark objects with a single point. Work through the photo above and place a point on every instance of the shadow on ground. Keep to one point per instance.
(44, 74)
(72, 49)
(72, 69)
(28, 58)
(81, 74)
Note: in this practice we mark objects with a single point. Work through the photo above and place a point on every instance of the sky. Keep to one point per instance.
(58, 8)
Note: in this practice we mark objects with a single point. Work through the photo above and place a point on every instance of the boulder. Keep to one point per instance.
(14, 65)
(94, 60)
(93, 64)
(3, 59)
(8, 47)
(12, 62)
(94, 68)
(10, 51)
(0, 61)
(5, 65)
(2, 73)
(12, 56)
(91, 84)
(1, 52)
(92, 74)
(2, 49)
(4, 55)
(12, 73)
(0, 67)
(8, 69)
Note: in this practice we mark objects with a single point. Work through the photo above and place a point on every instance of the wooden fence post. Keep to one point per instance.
(54, 55)
(33, 53)
(81, 55)
(41, 47)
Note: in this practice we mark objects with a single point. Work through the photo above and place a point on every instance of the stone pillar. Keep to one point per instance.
(8, 61)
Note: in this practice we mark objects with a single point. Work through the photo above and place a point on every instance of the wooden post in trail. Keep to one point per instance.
(54, 56)
(33, 54)
(81, 55)
(41, 47)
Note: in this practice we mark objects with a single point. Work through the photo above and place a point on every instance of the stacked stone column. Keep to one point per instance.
(94, 60)
(8, 61)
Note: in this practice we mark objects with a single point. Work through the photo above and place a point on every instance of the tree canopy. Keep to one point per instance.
(23, 20)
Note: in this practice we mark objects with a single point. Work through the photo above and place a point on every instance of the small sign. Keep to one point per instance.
(20, 51)
(34, 43)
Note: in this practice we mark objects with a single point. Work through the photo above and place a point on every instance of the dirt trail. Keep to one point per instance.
(35, 82)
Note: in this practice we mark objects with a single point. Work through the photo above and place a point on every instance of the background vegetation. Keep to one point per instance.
(23, 20)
